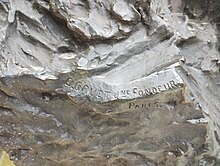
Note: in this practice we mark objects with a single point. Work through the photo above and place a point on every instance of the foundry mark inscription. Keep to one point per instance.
(145, 105)
(81, 88)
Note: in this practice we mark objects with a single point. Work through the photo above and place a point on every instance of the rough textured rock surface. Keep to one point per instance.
(121, 82)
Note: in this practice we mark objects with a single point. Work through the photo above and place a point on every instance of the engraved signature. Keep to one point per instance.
(85, 88)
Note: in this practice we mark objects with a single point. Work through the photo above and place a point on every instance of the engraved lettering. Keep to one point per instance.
(137, 106)
(131, 104)
(135, 90)
(141, 93)
(99, 93)
(147, 92)
(85, 88)
(147, 105)
(154, 90)
(69, 81)
(159, 88)
(173, 84)
(107, 94)
(92, 92)
(116, 95)
(78, 86)
(167, 86)
(156, 105)
(123, 92)
(143, 105)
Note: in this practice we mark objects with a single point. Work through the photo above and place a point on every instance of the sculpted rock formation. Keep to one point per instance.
(110, 82)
